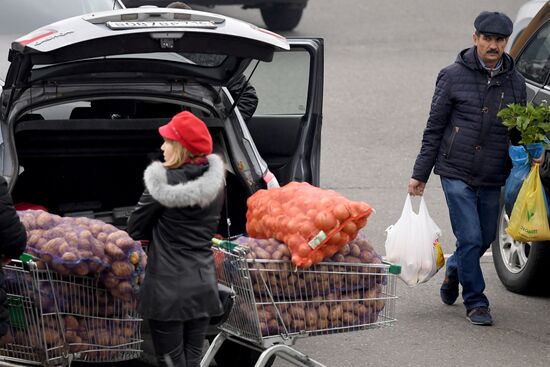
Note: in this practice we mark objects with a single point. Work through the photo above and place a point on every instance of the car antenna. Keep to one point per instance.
(242, 89)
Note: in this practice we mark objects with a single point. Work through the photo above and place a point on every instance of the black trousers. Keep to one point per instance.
(179, 343)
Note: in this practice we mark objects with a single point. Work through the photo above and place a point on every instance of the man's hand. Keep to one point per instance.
(416, 187)
(4, 260)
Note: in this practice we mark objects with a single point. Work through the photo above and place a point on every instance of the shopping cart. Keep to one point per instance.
(276, 303)
(59, 319)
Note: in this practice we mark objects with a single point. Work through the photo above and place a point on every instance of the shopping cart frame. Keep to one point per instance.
(246, 273)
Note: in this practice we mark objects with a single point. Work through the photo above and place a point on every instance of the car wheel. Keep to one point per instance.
(281, 17)
(233, 354)
(522, 267)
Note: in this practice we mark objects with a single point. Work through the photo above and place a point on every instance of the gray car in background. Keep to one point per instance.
(278, 15)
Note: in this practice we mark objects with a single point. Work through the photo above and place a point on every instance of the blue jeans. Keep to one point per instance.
(474, 217)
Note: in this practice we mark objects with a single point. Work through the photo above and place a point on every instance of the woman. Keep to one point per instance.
(179, 213)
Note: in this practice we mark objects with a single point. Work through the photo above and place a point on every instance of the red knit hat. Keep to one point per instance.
(190, 131)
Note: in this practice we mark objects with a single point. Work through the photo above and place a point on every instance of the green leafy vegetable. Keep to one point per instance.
(533, 122)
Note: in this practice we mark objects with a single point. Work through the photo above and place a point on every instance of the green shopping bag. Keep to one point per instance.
(529, 221)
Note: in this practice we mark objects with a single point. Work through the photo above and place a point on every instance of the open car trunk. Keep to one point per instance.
(94, 167)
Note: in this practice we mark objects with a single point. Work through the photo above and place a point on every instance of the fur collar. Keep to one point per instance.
(201, 191)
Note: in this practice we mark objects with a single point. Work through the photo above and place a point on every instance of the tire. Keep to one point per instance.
(233, 354)
(281, 17)
(526, 269)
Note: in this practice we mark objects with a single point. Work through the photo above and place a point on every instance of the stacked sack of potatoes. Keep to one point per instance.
(339, 293)
(83, 246)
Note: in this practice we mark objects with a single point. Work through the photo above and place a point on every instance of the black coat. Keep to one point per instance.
(249, 100)
(464, 138)
(179, 213)
(13, 240)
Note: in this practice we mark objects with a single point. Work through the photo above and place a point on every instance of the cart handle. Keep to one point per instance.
(224, 244)
(25, 258)
(394, 269)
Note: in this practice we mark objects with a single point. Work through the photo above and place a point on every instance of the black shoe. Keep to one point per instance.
(480, 316)
(449, 290)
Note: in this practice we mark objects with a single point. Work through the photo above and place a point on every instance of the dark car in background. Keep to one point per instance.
(525, 267)
(278, 15)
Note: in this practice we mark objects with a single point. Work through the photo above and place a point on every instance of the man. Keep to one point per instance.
(468, 144)
(248, 101)
(13, 239)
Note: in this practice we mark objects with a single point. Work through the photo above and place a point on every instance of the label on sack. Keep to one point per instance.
(316, 241)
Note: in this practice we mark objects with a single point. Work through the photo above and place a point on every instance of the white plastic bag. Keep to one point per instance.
(413, 242)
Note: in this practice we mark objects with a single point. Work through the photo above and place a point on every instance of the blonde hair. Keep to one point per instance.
(180, 155)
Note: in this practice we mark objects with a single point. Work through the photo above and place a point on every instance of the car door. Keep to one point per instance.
(286, 126)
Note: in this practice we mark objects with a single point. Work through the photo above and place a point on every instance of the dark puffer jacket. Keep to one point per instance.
(179, 213)
(464, 138)
(13, 239)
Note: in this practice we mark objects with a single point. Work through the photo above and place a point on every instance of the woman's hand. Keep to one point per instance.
(416, 188)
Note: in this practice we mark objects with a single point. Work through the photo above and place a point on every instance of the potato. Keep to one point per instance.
(109, 280)
(125, 243)
(273, 327)
(102, 236)
(71, 323)
(122, 269)
(297, 312)
(118, 340)
(61, 269)
(322, 324)
(101, 337)
(44, 220)
(298, 325)
(81, 269)
(113, 251)
(336, 312)
(128, 332)
(109, 228)
(114, 236)
(69, 257)
(348, 318)
(125, 287)
(311, 319)
(85, 254)
(286, 319)
(361, 310)
(52, 246)
(51, 336)
(323, 312)
(54, 233)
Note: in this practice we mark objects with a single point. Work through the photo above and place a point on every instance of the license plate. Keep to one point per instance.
(162, 24)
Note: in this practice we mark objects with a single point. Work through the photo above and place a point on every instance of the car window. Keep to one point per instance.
(534, 61)
(282, 93)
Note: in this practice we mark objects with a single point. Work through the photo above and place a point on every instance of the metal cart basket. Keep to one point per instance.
(276, 303)
(59, 319)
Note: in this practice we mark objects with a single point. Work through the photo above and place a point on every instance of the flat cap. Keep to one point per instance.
(493, 23)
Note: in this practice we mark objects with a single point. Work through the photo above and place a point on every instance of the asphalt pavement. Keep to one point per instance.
(381, 61)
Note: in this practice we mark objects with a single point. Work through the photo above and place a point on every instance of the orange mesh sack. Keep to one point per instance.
(313, 223)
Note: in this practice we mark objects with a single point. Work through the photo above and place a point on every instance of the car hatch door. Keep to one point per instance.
(286, 126)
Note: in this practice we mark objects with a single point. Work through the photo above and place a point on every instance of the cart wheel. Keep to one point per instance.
(233, 354)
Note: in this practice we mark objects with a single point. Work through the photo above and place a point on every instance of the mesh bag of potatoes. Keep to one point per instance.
(83, 246)
(279, 279)
(313, 223)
